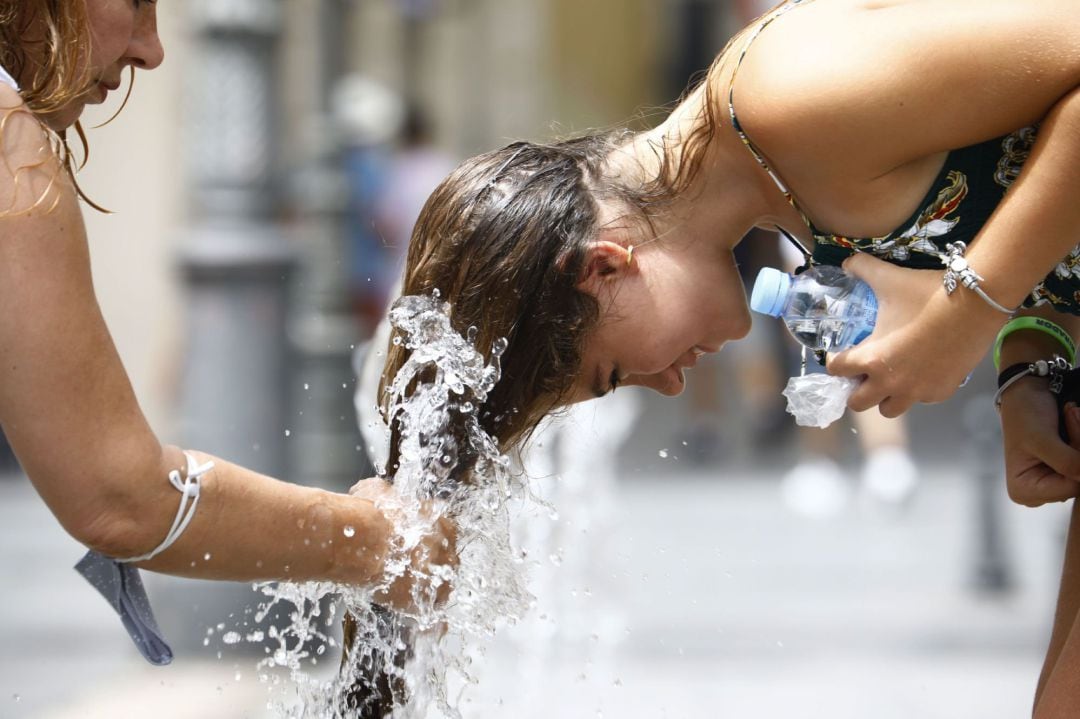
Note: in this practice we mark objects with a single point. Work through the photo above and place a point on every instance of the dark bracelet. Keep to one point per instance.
(1054, 368)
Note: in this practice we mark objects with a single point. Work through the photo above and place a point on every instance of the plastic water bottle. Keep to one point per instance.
(824, 307)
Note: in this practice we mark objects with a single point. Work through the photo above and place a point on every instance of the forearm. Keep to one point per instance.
(251, 527)
(1038, 221)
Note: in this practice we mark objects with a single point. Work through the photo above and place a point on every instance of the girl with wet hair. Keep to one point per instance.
(932, 148)
(66, 404)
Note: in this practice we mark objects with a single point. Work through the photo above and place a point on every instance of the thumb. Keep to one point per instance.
(866, 267)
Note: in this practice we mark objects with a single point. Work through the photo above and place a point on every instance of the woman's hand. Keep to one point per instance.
(1039, 467)
(431, 561)
(924, 344)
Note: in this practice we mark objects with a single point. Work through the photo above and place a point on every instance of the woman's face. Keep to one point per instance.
(123, 33)
(659, 311)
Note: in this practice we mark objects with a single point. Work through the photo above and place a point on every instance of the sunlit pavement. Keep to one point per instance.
(703, 598)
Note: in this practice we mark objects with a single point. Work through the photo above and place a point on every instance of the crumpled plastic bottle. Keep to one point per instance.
(818, 400)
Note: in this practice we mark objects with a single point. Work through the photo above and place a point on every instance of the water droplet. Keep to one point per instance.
(237, 676)
(397, 341)
(349, 531)
(556, 559)
(307, 386)
(663, 454)
(281, 657)
(255, 636)
(16, 698)
(231, 637)
(288, 432)
(206, 557)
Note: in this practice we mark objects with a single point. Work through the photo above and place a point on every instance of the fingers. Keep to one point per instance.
(1057, 455)
(1052, 470)
(1036, 486)
(371, 488)
(866, 267)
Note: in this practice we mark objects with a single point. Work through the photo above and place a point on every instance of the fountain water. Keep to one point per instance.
(447, 466)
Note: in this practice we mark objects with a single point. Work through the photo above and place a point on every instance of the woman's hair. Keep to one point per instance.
(504, 240)
(52, 67)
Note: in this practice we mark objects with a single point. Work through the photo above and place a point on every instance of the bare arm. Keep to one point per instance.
(892, 86)
(69, 412)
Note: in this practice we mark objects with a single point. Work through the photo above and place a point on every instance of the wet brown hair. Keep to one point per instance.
(504, 240)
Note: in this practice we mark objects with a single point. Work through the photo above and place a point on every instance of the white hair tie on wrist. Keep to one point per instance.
(189, 488)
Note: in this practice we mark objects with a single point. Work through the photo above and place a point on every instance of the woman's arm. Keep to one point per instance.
(1039, 466)
(843, 96)
(71, 416)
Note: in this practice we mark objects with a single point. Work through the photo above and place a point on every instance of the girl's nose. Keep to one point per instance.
(146, 51)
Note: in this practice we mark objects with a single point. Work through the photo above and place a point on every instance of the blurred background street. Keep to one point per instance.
(708, 560)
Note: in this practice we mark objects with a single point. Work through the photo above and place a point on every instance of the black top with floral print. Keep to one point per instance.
(965, 193)
(971, 184)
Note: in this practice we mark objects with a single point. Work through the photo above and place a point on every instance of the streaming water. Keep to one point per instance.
(437, 397)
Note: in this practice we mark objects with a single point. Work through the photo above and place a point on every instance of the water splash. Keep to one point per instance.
(436, 400)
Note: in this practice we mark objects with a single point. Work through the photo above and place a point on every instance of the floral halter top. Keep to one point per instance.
(965, 192)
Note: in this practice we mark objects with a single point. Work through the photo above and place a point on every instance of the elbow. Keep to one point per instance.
(116, 533)
(119, 519)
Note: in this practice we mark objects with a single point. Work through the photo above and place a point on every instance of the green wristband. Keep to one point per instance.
(1041, 325)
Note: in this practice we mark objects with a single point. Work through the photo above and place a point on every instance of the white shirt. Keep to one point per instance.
(8, 79)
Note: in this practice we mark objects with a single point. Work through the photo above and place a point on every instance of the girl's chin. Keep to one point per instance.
(674, 382)
(64, 118)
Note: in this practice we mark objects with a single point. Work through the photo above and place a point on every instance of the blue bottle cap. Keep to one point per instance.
(770, 291)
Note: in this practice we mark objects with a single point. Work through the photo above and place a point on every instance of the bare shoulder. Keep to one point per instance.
(887, 82)
(31, 174)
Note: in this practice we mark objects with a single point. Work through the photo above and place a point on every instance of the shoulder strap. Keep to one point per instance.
(762, 24)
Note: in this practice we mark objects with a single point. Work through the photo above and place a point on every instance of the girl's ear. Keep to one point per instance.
(605, 261)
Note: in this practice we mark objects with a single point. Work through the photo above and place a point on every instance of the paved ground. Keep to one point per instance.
(702, 598)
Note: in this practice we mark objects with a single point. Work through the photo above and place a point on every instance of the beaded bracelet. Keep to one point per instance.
(1035, 323)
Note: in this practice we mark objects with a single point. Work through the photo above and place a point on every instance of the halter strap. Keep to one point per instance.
(764, 23)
